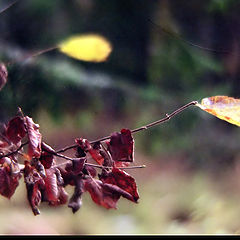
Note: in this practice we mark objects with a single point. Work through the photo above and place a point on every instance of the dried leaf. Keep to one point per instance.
(71, 171)
(16, 130)
(88, 47)
(87, 148)
(51, 187)
(223, 107)
(123, 180)
(121, 147)
(34, 184)
(75, 201)
(3, 75)
(53, 193)
(8, 181)
(99, 194)
(35, 138)
(47, 159)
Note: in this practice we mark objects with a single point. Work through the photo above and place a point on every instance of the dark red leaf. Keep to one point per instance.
(35, 138)
(67, 175)
(75, 201)
(34, 185)
(87, 148)
(53, 193)
(16, 130)
(51, 187)
(47, 159)
(121, 147)
(123, 180)
(8, 181)
(99, 194)
(105, 194)
(3, 75)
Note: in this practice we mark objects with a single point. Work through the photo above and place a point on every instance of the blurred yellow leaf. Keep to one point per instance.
(223, 107)
(88, 47)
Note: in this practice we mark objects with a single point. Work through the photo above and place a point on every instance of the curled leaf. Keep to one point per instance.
(35, 138)
(223, 107)
(34, 184)
(88, 47)
(53, 192)
(75, 201)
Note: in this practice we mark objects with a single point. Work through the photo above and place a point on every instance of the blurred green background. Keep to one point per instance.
(191, 183)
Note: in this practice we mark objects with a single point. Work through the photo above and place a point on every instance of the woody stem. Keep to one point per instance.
(165, 119)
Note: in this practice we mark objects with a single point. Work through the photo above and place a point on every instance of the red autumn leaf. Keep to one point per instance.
(87, 148)
(99, 195)
(35, 138)
(47, 159)
(105, 194)
(123, 180)
(72, 170)
(121, 147)
(68, 176)
(8, 181)
(53, 193)
(16, 130)
(3, 75)
(34, 185)
(51, 187)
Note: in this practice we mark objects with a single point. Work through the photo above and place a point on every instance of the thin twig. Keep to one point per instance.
(168, 117)
(176, 36)
(13, 152)
(99, 166)
(105, 167)
(57, 153)
(32, 55)
(8, 6)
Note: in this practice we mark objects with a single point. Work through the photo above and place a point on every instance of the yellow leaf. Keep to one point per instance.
(223, 107)
(89, 47)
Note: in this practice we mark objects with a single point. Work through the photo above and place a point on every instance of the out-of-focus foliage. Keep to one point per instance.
(87, 47)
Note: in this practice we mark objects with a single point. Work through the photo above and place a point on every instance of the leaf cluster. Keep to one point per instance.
(24, 154)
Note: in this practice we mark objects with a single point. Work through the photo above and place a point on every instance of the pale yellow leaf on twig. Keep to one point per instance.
(223, 107)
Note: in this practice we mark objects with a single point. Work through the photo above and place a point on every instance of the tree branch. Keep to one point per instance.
(16, 151)
(57, 153)
(165, 119)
